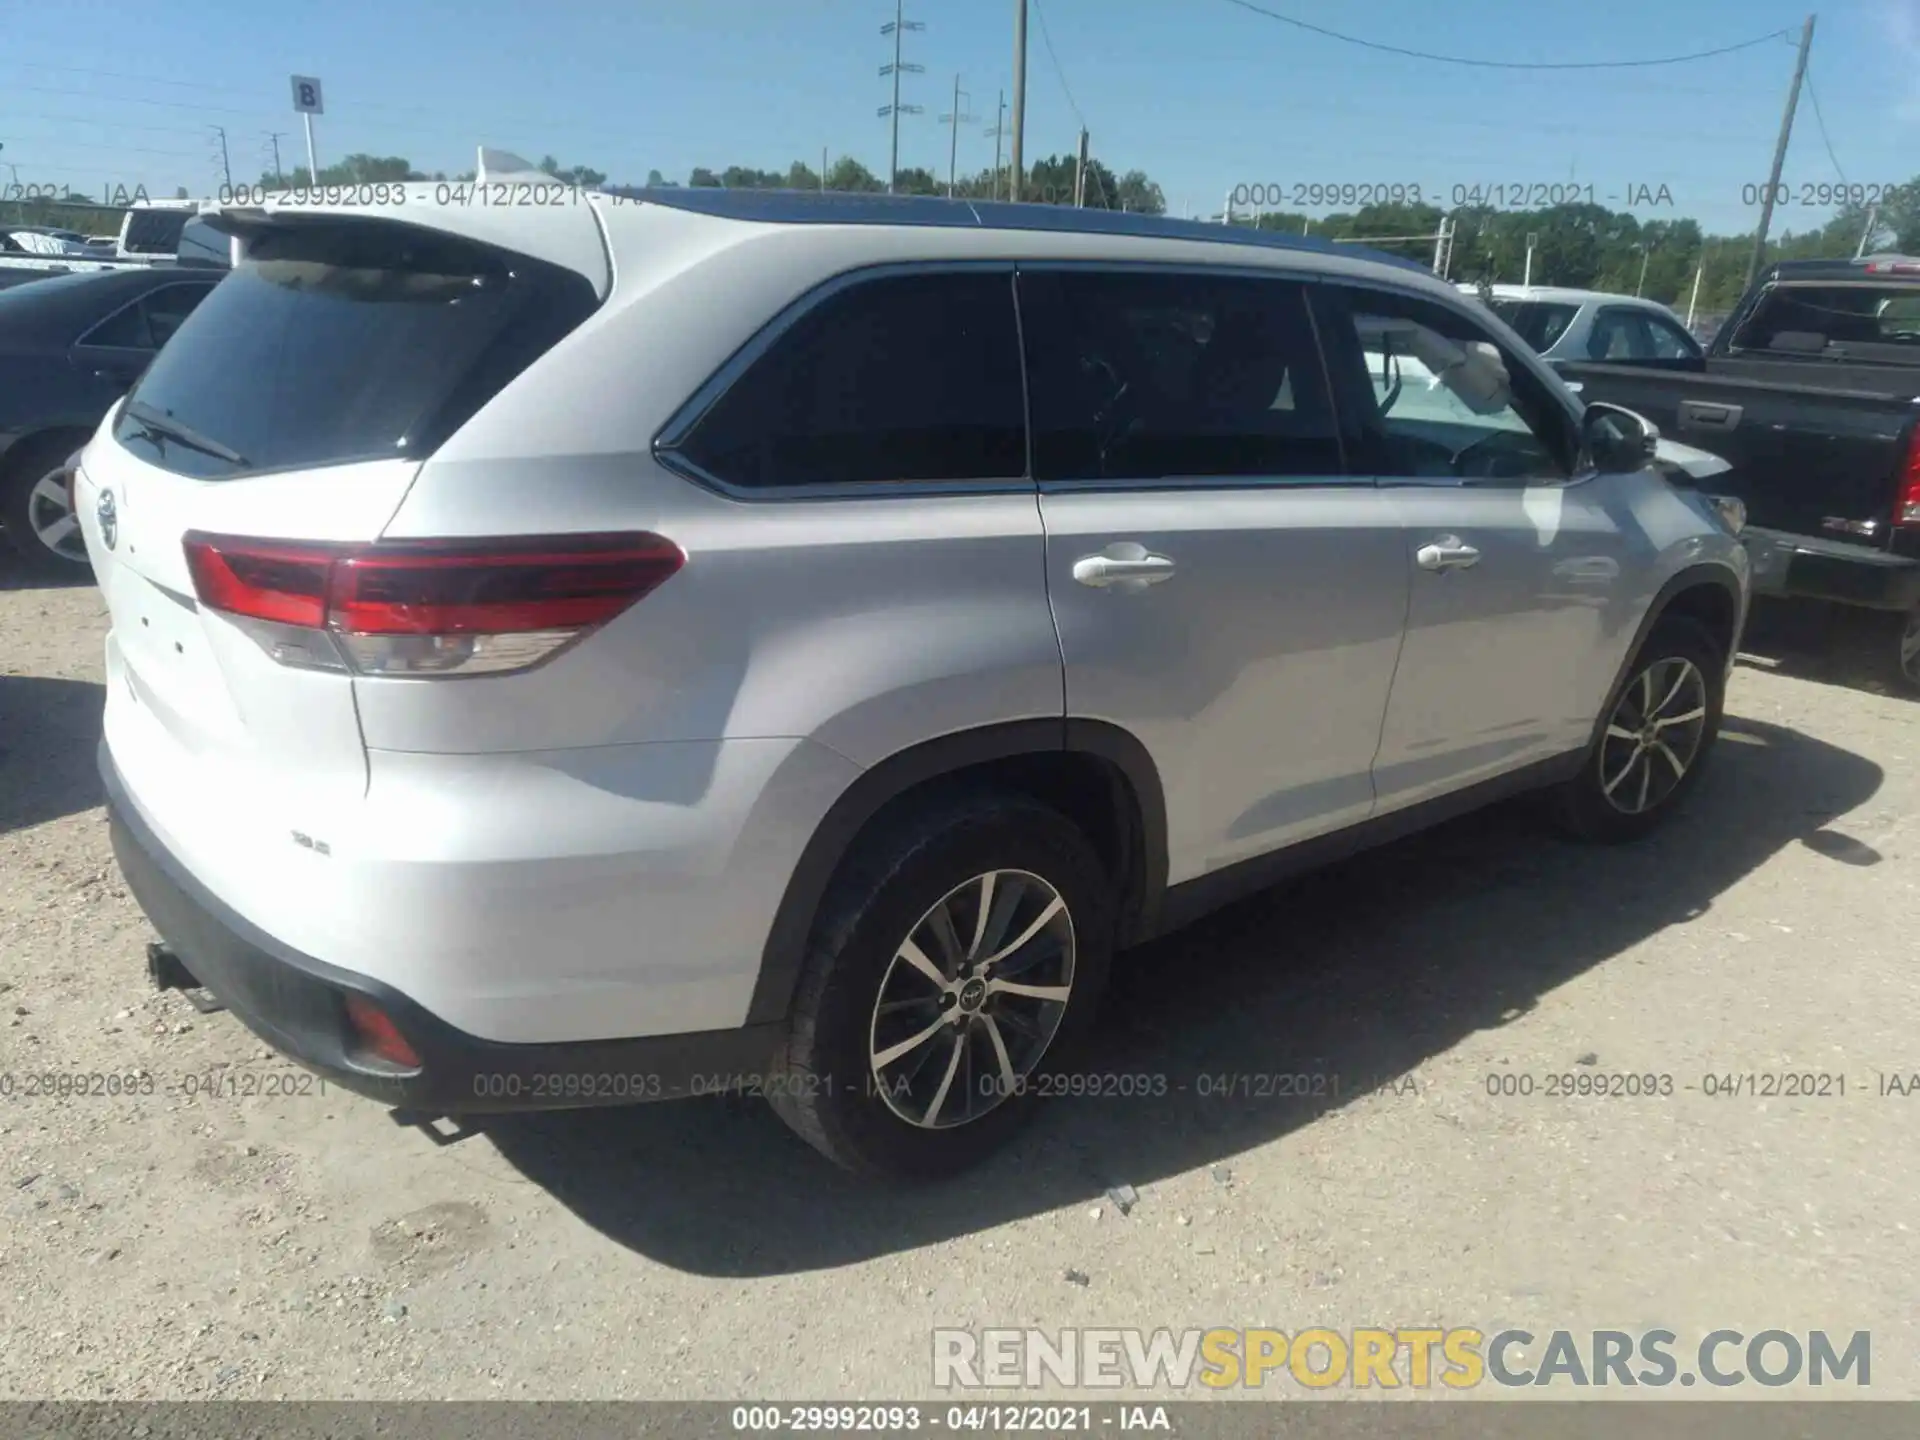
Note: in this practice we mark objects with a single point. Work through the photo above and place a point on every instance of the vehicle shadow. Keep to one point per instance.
(1831, 644)
(48, 733)
(1358, 973)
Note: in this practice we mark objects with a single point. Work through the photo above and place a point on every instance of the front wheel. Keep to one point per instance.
(956, 959)
(1659, 731)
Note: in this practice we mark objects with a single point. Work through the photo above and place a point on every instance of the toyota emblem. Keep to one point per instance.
(108, 517)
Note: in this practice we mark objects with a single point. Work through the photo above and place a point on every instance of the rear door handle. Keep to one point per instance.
(1126, 567)
(1704, 415)
(1448, 552)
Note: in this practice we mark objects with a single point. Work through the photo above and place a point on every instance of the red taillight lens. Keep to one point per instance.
(1907, 509)
(378, 1036)
(426, 607)
(283, 583)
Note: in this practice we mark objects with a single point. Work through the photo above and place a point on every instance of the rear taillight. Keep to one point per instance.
(1906, 510)
(425, 607)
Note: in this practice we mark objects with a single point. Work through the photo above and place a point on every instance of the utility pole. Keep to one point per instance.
(1080, 174)
(1533, 242)
(226, 170)
(823, 169)
(1780, 152)
(1873, 219)
(1693, 301)
(273, 137)
(999, 129)
(898, 28)
(955, 119)
(1019, 95)
(1646, 254)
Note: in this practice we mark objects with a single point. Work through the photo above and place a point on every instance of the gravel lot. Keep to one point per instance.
(247, 1246)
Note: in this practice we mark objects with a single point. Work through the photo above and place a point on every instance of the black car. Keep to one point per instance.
(71, 346)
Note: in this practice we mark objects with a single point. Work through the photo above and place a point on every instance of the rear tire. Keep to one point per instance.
(1659, 731)
(853, 1079)
(33, 507)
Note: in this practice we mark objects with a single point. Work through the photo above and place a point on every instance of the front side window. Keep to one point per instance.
(1426, 394)
(899, 378)
(1143, 375)
(1669, 341)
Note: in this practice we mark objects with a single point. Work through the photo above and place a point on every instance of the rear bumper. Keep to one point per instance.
(1808, 568)
(296, 1003)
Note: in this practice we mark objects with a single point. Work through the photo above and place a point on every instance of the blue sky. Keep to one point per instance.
(1200, 94)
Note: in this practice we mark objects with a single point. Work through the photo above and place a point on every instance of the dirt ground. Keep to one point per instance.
(215, 1240)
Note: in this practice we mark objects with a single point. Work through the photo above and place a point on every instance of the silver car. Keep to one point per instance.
(590, 651)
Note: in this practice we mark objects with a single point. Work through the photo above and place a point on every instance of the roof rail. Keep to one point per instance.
(843, 208)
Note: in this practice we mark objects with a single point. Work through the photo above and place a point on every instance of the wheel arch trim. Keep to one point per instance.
(1692, 577)
(1144, 831)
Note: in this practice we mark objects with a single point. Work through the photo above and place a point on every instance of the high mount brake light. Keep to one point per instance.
(429, 607)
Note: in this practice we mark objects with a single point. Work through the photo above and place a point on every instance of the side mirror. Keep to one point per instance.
(1617, 440)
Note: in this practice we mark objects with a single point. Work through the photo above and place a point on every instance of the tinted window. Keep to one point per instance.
(1425, 392)
(168, 306)
(1535, 321)
(125, 329)
(348, 341)
(1803, 318)
(907, 377)
(1620, 335)
(155, 232)
(1136, 375)
(1670, 342)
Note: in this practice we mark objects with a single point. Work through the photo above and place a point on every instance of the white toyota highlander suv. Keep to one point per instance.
(572, 651)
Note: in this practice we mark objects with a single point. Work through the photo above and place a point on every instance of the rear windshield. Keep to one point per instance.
(155, 232)
(344, 341)
(1536, 321)
(1808, 319)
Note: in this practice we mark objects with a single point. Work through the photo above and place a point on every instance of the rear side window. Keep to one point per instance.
(347, 341)
(149, 322)
(1535, 321)
(1806, 319)
(899, 378)
(1136, 375)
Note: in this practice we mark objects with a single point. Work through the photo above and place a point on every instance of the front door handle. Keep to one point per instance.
(1449, 552)
(1125, 567)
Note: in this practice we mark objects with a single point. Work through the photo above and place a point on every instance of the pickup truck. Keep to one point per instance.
(1811, 392)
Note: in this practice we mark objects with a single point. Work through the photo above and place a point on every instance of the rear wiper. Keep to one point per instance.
(160, 423)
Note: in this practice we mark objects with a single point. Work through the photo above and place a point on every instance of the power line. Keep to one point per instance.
(1299, 24)
(1821, 121)
(1059, 74)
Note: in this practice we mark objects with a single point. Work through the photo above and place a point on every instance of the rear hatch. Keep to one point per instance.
(277, 431)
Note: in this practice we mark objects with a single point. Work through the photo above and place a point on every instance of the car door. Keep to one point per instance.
(1223, 590)
(1514, 562)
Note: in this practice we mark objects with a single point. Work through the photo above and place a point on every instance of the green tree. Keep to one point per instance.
(849, 175)
(577, 175)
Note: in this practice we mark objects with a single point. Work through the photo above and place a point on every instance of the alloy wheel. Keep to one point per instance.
(971, 1000)
(1653, 736)
(50, 516)
(1910, 649)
